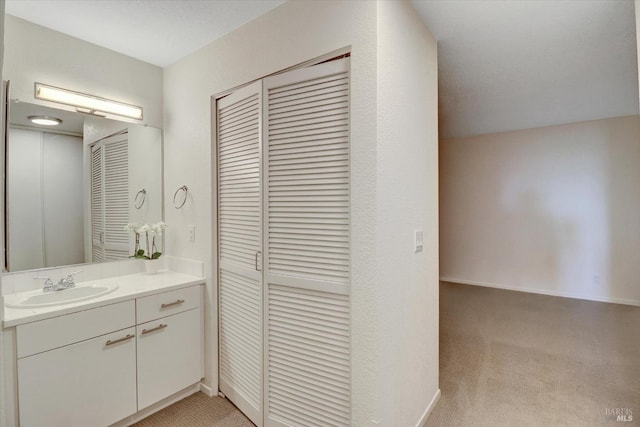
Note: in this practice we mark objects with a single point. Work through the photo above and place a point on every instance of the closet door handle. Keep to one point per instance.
(258, 267)
(128, 337)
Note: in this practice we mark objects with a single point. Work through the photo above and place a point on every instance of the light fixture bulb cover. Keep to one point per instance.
(45, 120)
(92, 103)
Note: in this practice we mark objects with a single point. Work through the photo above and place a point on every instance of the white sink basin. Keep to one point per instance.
(67, 296)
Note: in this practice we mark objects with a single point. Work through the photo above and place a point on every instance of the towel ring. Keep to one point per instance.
(138, 201)
(184, 189)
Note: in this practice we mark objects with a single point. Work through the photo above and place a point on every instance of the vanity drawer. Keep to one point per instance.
(59, 331)
(167, 303)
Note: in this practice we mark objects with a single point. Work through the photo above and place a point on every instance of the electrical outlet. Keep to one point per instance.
(192, 233)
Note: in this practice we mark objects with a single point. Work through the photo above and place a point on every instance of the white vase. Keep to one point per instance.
(151, 266)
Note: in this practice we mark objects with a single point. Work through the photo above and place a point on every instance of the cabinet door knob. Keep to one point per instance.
(157, 328)
(111, 342)
(170, 304)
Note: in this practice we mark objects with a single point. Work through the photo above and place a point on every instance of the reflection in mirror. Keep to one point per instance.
(71, 188)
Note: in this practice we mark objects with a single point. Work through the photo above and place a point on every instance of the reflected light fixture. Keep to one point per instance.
(45, 120)
(86, 103)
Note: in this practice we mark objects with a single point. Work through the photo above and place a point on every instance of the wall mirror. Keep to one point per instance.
(71, 188)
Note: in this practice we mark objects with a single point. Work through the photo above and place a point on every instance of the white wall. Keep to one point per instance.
(407, 200)
(37, 54)
(145, 171)
(552, 210)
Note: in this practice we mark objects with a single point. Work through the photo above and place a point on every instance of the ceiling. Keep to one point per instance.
(72, 122)
(503, 64)
(156, 31)
(518, 64)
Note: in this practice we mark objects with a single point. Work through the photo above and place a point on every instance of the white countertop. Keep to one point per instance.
(129, 287)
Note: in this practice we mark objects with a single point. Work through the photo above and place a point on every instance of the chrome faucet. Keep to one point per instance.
(48, 284)
(64, 283)
(68, 281)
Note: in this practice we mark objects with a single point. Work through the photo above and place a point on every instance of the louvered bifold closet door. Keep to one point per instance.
(307, 262)
(116, 197)
(238, 135)
(97, 204)
(110, 198)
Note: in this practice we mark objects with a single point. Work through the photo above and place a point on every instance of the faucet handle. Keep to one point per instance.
(48, 283)
(68, 281)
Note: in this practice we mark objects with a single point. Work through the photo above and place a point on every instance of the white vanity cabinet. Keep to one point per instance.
(169, 347)
(99, 366)
(88, 382)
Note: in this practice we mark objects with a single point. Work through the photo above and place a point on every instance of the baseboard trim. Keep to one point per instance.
(541, 291)
(207, 390)
(427, 412)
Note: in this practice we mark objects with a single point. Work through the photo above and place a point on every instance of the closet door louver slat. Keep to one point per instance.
(307, 242)
(239, 241)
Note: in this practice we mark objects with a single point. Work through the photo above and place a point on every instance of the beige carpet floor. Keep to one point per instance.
(198, 410)
(517, 359)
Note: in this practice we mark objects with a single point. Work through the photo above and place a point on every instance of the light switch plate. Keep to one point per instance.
(192, 233)
(418, 240)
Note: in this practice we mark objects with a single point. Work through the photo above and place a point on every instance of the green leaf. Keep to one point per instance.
(156, 255)
(139, 255)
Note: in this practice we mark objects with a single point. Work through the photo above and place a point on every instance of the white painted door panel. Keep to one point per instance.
(284, 188)
(169, 356)
(307, 235)
(89, 383)
(240, 245)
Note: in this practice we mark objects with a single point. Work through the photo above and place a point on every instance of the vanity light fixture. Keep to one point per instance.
(86, 103)
(45, 120)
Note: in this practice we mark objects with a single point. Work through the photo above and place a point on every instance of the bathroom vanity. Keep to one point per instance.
(107, 360)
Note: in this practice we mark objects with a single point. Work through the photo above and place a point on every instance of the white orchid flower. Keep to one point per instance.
(131, 227)
(145, 231)
(158, 227)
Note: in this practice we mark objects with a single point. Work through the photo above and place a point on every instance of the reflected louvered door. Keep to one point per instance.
(238, 135)
(109, 198)
(97, 204)
(116, 197)
(307, 252)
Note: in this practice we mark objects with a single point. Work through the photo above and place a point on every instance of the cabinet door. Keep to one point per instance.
(169, 356)
(91, 383)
